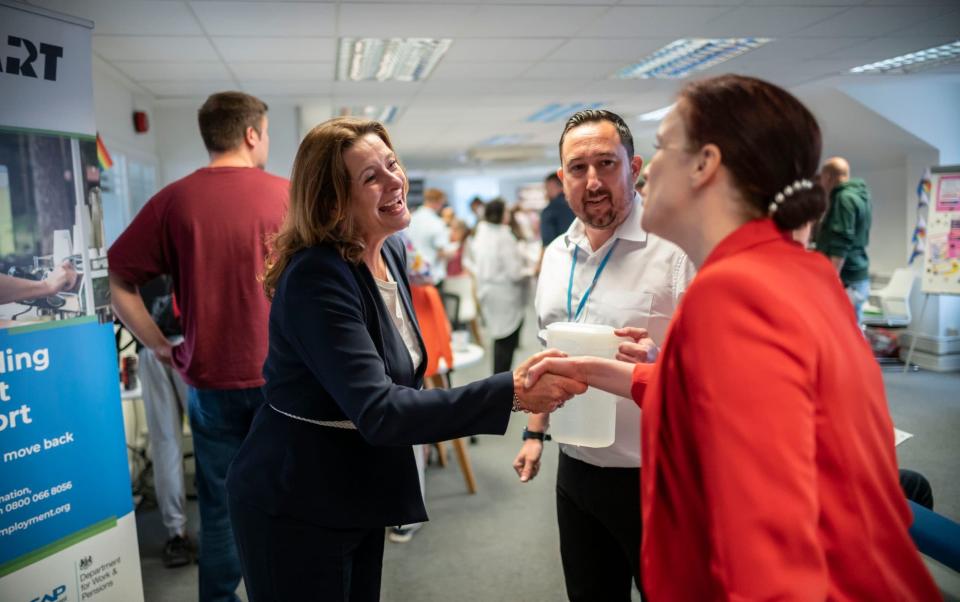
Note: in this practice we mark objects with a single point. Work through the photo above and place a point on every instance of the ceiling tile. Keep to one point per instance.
(501, 49)
(133, 17)
(246, 48)
(266, 18)
(479, 70)
(198, 89)
(947, 24)
(271, 88)
(172, 71)
(654, 21)
(396, 20)
(873, 21)
(154, 48)
(879, 49)
(769, 21)
(371, 92)
(531, 20)
(280, 71)
(627, 50)
(573, 70)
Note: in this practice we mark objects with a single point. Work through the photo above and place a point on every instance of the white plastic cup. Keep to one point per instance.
(589, 419)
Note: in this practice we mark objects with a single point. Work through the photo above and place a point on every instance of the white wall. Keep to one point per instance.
(181, 150)
(925, 107)
(888, 246)
(115, 98)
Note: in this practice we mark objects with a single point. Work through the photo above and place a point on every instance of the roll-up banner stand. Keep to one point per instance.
(67, 528)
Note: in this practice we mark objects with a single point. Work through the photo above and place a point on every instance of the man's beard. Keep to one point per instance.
(604, 216)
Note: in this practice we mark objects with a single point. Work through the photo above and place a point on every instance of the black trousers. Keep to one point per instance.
(287, 559)
(598, 511)
(503, 350)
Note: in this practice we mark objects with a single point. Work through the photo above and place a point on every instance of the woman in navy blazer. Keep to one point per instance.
(328, 461)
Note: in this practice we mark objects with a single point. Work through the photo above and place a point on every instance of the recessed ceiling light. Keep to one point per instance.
(682, 57)
(505, 140)
(915, 61)
(398, 59)
(656, 115)
(383, 113)
(556, 111)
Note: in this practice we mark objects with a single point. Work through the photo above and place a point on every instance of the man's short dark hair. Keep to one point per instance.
(553, 177)
(592, 115)
(225, 117)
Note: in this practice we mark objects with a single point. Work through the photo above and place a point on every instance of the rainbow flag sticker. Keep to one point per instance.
(102, 155)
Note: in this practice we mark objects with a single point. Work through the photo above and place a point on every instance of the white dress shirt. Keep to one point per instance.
(640, 286)
(429, 236)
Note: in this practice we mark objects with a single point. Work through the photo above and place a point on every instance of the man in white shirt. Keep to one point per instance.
(604, 270)
(430, 235)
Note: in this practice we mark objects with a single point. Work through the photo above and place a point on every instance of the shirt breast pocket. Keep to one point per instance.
(626, 309)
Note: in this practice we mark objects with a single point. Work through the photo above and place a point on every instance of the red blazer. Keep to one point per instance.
(769, 469)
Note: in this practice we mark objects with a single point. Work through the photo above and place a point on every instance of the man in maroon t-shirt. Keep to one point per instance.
(208, 231)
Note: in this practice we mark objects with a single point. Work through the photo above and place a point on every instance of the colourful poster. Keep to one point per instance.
(66, 513)
(948, 193)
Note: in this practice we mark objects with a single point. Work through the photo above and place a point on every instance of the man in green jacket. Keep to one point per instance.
(845, 231)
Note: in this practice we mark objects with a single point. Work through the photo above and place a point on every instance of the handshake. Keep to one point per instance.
(546, 380)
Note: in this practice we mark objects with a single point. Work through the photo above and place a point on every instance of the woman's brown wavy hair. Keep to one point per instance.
(320, 197)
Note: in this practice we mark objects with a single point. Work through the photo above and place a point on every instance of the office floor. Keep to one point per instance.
(501, 544)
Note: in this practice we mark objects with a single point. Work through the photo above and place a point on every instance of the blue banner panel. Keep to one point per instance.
(63, 464)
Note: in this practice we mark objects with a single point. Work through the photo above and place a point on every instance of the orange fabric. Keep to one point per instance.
(434, 327)
(769, 469)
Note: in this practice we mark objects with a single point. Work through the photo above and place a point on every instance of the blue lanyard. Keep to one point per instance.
(571, 317)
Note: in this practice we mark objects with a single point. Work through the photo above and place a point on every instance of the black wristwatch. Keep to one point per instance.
(535, 435)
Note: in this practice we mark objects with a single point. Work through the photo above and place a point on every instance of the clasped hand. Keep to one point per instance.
(550, 390)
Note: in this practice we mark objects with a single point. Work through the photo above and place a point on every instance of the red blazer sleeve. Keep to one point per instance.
(748, 367)
(642, 373)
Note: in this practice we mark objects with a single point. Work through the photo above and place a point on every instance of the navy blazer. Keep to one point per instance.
(335, 354)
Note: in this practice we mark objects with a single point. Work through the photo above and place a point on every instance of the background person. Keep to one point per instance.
(328, 462)
(769, 464)
(430, 235)
(208, 231)
(497, 262)
(611, 272)
(845, 231)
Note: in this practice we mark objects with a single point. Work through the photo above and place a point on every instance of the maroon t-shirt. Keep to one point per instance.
(208, 231)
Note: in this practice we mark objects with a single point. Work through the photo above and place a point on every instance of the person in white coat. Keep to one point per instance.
(496, 259)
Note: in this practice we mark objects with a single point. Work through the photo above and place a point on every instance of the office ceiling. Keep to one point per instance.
(509, 58)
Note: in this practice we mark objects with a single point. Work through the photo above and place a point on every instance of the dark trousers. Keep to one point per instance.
(287, 559)
(917, 488)
(598, 511)
(503, 350)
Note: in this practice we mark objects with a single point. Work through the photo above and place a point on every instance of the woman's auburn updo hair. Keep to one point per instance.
(318, 211)
(767, 139)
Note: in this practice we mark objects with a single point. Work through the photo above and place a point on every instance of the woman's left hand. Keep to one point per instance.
(641, 350)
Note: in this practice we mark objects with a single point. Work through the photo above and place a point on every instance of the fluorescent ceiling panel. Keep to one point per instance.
(656, 115)
(398, 59)
(505, 140)
(384, 114)
(683, 57)
(914, 61)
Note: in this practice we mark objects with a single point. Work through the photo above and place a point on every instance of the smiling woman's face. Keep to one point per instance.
(378, 202)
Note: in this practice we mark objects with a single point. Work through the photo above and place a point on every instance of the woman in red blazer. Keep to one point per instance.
(768, 456)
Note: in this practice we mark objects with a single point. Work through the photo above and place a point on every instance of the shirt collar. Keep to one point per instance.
(630, 229)
(753, 233)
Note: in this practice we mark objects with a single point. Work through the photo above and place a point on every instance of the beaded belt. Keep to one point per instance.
(337, 424)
